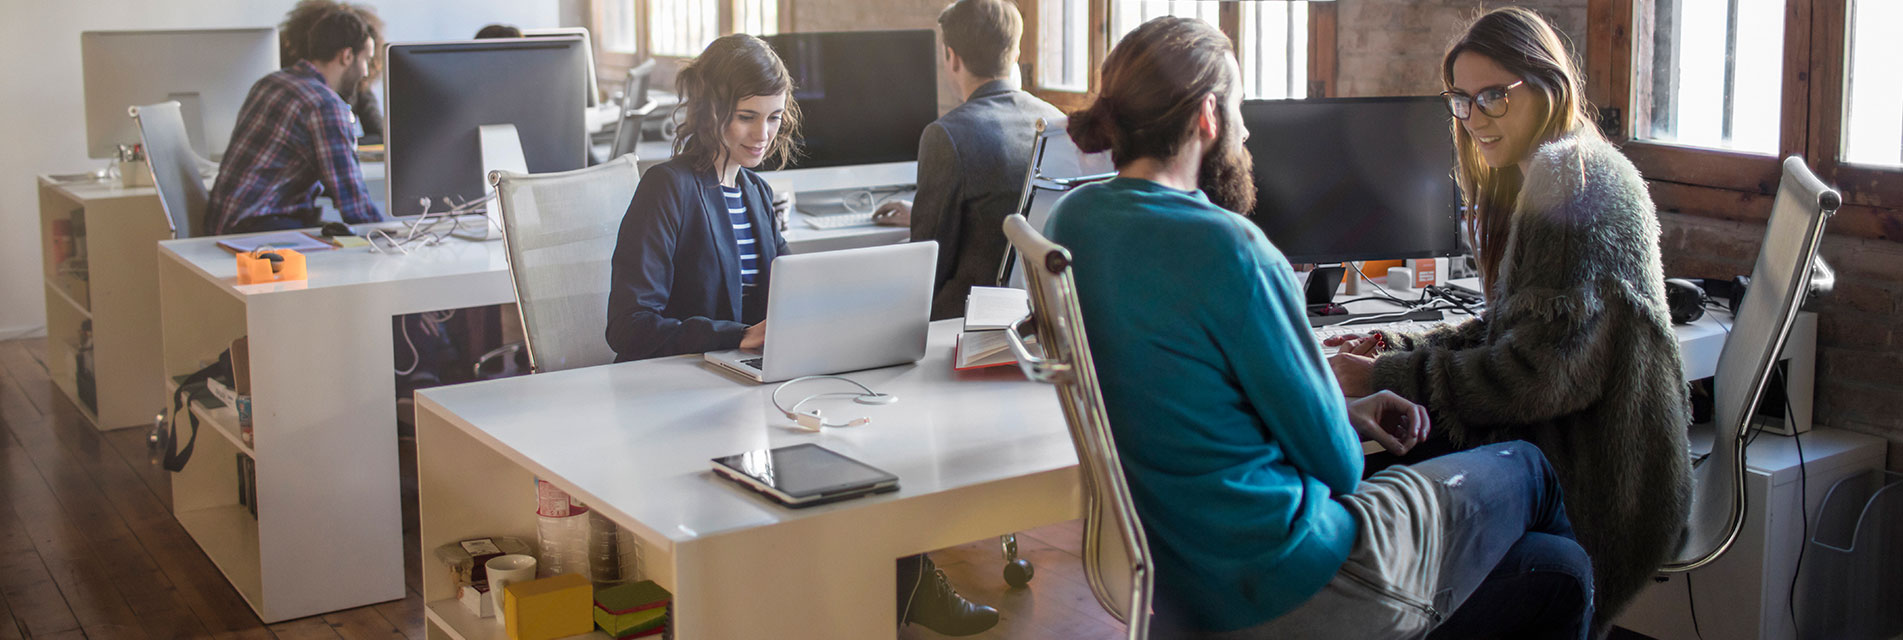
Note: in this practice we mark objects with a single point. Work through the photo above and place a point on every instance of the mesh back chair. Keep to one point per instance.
(1116, 553)
(174, 166)
(1057, 166)
(635, 109)
(559, 231)
(1788, 272)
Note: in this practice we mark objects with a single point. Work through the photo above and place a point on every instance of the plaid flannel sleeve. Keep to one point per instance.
(336, 145)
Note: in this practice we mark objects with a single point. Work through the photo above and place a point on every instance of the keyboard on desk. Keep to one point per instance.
(838, 221)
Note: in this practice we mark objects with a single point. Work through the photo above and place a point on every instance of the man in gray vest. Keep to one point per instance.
(971, 162)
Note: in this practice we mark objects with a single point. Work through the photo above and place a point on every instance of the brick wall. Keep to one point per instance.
(1859, 341)
(1394, 47)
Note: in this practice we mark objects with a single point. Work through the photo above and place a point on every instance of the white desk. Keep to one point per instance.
(978, 454)
(328, 531)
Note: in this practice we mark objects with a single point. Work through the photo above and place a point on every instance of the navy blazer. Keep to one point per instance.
(676, 282)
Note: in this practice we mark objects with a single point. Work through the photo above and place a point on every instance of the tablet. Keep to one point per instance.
(804, 475)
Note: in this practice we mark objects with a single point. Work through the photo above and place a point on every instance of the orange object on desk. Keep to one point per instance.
(256, 268)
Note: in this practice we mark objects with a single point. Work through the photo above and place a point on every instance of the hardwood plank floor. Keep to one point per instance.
(89, 548)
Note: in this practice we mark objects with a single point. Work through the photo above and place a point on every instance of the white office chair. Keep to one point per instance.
(1116, 553)
(175, 167)
(1057, 166)
(1788, 272)
(559, 232)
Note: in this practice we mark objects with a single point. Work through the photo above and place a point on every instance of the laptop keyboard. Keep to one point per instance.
(754, 362)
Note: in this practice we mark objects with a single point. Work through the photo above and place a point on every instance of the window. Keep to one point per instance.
(682, 28)
(1063, 52)
(1127, 15)
(758, 17)
(614, 31)
(1713, 81)
(1873, 96)
(1274, 49)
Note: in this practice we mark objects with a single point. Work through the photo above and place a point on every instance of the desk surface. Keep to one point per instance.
(635, 439)
(346, 267)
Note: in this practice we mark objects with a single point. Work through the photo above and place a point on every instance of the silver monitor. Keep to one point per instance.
(587, 42)
(208, 71)
(439, 95)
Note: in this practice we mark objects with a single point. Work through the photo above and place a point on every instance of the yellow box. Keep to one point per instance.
(549, 608)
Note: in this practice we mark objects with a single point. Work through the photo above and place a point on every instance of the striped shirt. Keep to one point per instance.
(295, 139)
(743, 235)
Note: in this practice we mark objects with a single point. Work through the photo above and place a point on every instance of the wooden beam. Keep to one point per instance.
(1323, 49)
(1698, 166)
(1796, 116)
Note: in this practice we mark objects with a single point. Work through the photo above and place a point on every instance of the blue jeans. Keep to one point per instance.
(1476, 543)
(255, 224)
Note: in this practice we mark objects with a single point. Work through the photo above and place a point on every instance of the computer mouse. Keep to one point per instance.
(335, 229)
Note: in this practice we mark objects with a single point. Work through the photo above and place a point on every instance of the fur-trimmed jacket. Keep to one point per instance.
(1575, 354)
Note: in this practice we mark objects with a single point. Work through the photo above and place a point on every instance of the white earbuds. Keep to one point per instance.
(814, 419)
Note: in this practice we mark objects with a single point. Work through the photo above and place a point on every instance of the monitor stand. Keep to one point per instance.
(501, 151)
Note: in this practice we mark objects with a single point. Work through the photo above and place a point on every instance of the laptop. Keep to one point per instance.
(838, 311)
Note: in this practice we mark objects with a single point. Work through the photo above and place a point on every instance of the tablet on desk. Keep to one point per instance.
(804, 475)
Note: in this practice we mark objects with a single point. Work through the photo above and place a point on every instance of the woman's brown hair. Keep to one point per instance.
(1524, 44)
(733, 68)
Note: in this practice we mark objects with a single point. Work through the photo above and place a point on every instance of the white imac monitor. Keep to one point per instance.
(865, 97)
(444, 100)
(208, 71)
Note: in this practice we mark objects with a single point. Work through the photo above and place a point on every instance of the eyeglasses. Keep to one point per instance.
(1492, 101)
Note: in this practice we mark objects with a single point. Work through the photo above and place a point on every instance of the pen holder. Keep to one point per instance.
(256, 267)
(134, 173)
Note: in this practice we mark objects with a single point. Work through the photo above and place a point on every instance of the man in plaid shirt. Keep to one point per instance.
(296, 139)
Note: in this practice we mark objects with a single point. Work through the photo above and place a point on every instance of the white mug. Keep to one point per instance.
(504, 571)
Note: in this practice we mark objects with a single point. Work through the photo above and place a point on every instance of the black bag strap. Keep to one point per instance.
(191, 389)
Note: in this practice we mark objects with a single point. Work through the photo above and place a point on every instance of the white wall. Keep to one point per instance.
(42, 111)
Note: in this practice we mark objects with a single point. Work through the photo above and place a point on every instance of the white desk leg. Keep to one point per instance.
(792, 581)
(324, 406)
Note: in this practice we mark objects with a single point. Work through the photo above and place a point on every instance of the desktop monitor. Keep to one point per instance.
(1349, 179)
(587, 42)
(438, 95)
(864, 98)
(208, 71)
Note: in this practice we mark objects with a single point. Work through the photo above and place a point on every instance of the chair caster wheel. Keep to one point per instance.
(1018, 572)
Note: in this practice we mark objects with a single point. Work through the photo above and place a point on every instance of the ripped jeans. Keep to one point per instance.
(1477, 541)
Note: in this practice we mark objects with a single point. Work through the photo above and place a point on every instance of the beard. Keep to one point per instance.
(1227, 173)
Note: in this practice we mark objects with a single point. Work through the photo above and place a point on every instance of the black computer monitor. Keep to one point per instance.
(864, 96)
(437, 95)
(1347, 179)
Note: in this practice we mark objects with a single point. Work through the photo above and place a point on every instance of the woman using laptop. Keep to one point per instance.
(1576, 352)
(697, 245)
(692, 262)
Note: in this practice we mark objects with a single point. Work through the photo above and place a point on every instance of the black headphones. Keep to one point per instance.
(1687, 297)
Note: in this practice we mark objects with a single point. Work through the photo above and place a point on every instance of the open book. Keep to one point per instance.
(988, 312)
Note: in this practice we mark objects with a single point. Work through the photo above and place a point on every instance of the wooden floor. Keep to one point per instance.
(89, 549)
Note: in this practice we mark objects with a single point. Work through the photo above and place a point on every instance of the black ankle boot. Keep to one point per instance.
(934, 604)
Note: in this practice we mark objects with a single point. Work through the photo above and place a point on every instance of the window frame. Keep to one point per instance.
(1737, 185)
(616, 65)
(1321, 49)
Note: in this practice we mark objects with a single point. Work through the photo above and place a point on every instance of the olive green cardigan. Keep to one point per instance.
(1575, 354)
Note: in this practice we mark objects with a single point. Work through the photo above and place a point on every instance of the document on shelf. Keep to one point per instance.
(993, 308)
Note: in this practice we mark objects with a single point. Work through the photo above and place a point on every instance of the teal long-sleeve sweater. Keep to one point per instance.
(1234, 436)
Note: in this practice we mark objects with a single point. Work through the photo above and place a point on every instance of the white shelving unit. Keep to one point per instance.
(118, 295)
(450, 619)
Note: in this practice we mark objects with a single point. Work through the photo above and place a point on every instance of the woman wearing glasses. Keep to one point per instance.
(1576, 353)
